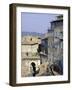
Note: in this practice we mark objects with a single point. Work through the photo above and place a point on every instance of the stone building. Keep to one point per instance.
(53, 42)
(47, 42)
(50, 45)
(44, 50)
(57, 27)
(29, 54)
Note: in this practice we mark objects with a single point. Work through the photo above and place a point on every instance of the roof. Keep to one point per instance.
(28, 40)
(50, 30)
(28, 43)
(61, 20)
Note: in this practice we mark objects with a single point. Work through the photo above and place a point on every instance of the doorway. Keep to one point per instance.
(33, 68)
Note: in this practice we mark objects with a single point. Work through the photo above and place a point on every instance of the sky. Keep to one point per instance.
(36, 22)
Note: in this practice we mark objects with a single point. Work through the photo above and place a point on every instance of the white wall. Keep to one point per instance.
(4, 45)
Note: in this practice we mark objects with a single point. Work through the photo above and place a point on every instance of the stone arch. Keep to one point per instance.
(33, 68)
(33, 64)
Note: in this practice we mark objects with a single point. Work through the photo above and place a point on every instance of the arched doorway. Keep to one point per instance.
(33, 68)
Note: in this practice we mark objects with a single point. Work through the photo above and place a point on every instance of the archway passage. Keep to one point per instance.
(34, 68)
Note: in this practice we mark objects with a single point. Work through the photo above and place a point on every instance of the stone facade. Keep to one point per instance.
(26, 67)
(53, 41)
(58, 39)
(29, 54)
(50, 45)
